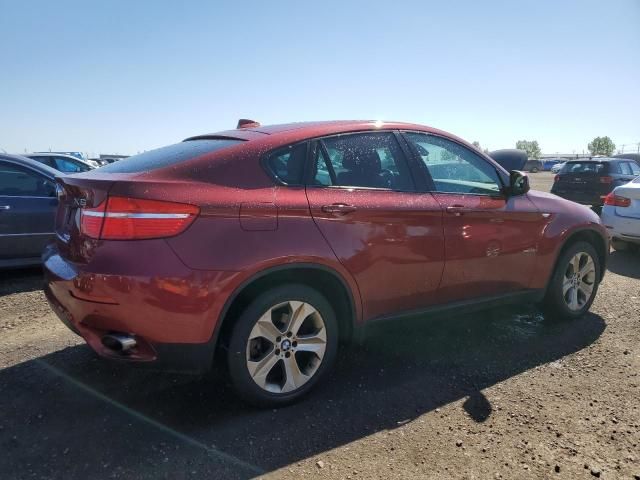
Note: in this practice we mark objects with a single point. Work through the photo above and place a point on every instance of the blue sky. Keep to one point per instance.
(125, 76)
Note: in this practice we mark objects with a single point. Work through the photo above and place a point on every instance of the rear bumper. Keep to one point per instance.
(584, 198)
(172, 316)
(625, 228)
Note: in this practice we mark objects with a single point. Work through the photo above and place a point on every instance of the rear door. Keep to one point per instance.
(388, 235)
(27, 209)
(490, 239)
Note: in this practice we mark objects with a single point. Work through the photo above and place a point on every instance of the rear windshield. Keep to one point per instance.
(165, 156)
(585, 167)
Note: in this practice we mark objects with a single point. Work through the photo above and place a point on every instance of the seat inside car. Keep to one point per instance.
(364, 169)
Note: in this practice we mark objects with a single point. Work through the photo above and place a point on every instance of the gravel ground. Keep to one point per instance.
(502, 394)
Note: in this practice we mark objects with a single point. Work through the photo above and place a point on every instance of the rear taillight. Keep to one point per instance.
(617, 200)
(122, 218)
(606, 179)
(556, 178)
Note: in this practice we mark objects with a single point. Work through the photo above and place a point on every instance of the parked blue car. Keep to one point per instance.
(28, 201)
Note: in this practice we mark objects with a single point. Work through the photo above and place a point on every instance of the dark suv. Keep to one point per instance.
(589, 181)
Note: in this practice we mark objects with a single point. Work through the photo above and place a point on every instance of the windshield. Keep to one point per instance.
(165, 156)
(585, 167)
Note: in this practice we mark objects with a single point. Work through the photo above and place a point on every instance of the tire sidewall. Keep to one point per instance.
(236, 355)
(554, 301)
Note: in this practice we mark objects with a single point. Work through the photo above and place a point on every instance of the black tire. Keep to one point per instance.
(238, 370)
(554, 303)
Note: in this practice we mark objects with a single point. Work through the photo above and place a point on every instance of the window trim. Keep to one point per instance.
(394, 132)
(429, 182)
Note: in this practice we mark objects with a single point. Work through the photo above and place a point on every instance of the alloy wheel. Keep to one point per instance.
(286, 346)
(579, 281)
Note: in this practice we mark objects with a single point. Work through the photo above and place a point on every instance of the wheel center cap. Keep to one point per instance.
(285, 346)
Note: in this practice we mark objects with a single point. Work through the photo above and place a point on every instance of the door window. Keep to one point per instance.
(19, 182)
(370, 160)
(635, 168)
(454, 168)
(625, 168)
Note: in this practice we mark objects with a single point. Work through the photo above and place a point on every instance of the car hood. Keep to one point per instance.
(550, 203)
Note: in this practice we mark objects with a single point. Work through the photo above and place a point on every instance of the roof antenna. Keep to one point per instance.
(246, 123)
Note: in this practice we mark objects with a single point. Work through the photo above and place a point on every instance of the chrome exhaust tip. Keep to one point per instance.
(119, 342)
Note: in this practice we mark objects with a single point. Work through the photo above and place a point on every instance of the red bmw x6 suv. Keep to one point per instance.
(269, 244)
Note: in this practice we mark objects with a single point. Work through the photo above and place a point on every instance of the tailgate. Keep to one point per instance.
(74, 194)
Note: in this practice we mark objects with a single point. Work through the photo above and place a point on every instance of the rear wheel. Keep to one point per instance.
(574, 282)
(282, 345)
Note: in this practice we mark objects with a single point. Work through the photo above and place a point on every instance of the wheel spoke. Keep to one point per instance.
(586, 289)
(575, 262)
(587, 268)
(573, 298)
(265, 328)
(299, 312)
(566, 285)
(294, 378)
(313, 343)
(260, 369)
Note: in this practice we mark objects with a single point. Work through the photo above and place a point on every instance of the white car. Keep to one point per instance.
(621, 215)
(557, 167)
(63, 162)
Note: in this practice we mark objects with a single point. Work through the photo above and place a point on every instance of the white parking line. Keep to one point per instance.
(139, 416)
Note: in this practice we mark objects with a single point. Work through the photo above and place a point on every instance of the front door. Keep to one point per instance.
(490, 239)
(27, 209)
(389, 236)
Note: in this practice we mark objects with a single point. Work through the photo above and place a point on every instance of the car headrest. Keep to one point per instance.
(361, 160)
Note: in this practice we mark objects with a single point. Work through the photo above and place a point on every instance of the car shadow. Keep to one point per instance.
(72, 412)
(626, 264)
(20, 280)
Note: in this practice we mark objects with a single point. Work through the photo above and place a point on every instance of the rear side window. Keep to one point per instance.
(585, 167)
(287, 164)
(169, 155)
(625, 168)
(635, 168)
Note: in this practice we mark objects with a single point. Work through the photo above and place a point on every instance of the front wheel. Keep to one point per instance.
(574, 282)
(282, 345)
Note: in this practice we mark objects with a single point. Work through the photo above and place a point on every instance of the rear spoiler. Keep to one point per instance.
(510, 158)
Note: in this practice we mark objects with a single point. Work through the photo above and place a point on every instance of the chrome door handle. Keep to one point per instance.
(5, 207)
(456, 210)
(338, 208)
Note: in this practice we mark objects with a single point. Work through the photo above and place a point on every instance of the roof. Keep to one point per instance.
(32, 164)
(594, 159)
(311, 129)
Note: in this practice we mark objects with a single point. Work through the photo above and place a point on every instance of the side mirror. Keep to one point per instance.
(518, 183)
